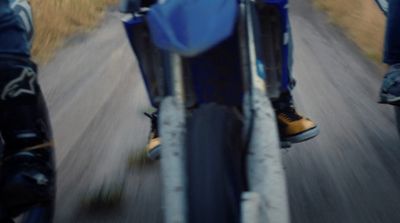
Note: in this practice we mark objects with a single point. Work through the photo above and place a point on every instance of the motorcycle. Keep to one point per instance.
(220, 151)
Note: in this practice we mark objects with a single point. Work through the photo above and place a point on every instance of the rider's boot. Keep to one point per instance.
(153, 146)
(293, 128)
(27, 170)
(390, 90)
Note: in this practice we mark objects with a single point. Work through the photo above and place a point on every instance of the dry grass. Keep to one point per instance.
(56, 20)
(362, 21)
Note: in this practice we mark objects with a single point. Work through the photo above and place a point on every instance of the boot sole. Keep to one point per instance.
(303, 136)
(390, 99)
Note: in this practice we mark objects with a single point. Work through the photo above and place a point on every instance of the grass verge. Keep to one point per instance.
(362, 21)
(57, 20)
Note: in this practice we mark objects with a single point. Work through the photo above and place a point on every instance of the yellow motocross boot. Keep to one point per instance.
(154, 144)
(294, 128)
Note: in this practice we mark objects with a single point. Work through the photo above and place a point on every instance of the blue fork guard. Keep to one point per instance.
(189, 27)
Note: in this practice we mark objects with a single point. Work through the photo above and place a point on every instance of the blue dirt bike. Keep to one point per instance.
(220, 160)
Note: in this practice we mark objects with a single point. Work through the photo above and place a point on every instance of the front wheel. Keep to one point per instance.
(214, 164)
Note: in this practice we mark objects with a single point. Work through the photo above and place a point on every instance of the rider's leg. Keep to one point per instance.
(390, 92)
(293, 127)
(26, 175)
(392, 42)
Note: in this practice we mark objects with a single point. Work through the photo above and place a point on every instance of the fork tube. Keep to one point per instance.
(172, 131)
(257, 83)
(265, 173)
(177, 77)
